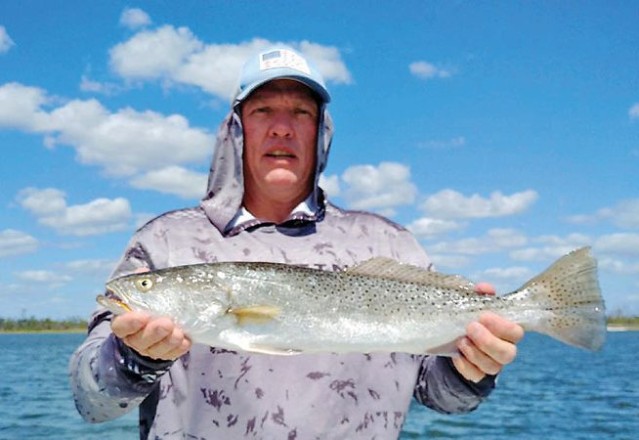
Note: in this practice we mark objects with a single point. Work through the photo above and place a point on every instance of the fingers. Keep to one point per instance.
(488, 346)
(129, 323)
(501, 327)
(467, 369)
(161, 339)
(157, 338)
(485, 289)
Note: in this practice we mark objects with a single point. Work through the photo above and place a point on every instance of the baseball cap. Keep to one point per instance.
(279, 62)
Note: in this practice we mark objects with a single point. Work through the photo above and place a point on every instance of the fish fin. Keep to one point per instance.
(382, 267)
(261, 314)
(569, 297)
(267, 349)
(448, 349)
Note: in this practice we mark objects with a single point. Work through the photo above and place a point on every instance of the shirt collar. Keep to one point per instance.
(243, 219)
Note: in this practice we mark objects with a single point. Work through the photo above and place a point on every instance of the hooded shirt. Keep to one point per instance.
(211, 393)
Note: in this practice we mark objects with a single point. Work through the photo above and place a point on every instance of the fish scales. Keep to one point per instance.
(379, 305)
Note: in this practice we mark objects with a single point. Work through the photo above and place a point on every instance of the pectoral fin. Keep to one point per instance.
(448, 349)
(264, 349)
(255, 314)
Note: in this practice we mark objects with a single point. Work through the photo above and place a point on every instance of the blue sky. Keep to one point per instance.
(503, 134)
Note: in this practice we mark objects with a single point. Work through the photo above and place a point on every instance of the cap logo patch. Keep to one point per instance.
(283, 58)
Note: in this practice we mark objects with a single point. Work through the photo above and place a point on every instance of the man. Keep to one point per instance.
(264, 204)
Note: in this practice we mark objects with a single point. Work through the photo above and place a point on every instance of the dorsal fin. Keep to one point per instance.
(382, 267)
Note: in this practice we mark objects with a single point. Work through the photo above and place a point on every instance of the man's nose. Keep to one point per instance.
(282, 125)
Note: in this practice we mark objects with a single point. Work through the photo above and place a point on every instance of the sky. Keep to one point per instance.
(502, 134)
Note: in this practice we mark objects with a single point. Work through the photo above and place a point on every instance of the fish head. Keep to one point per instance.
(184, 293)
(131, 292)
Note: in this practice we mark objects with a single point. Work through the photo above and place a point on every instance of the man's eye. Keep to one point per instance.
(302, 111)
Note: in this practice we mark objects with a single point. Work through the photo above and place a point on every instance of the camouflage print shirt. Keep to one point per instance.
(211, 393)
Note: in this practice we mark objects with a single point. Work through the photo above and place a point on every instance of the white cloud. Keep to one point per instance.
(508, 274)
(88, 85)
(154, 53)
(6, 42)
(330, 184)
(505, 279)
(495, 240)
(550, 247)
(21, 107)
(43, 203)
(431, 227)
(90, 268)
(13, 242)
(619, 244)
(96, 217)
(450, 144)
(452, 204)
(175, 55)
(633, 113)
(124, 143)
(619, 266)
(134, 18)
(43, 277)
(426, 70)
(173, 180)
(624, 214)
(379, 188)
(448, 262)
(128, 141)
(328, 61)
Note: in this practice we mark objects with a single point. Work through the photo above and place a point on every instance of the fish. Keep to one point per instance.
(380, 305)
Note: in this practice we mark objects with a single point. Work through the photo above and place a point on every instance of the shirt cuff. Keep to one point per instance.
(482, 388)
(137, 366)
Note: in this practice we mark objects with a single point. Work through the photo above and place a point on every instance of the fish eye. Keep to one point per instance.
(144, 284)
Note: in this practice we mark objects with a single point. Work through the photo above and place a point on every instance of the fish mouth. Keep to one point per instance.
(113, 302)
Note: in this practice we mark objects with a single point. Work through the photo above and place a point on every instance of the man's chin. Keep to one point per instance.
(283, 178)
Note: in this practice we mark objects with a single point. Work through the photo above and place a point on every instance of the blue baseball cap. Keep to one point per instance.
(280, 62)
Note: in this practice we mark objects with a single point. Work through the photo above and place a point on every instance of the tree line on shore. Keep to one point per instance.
(33, 324)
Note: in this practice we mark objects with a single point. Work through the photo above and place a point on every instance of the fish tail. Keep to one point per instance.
(569, 298)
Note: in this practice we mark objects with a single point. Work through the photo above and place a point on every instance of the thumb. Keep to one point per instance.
(129, 324)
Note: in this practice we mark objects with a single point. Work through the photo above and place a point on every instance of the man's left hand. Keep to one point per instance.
(489, 344)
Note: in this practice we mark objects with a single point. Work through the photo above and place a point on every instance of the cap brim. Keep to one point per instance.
(316, 87)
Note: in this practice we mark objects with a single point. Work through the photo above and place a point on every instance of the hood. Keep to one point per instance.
(225, 189)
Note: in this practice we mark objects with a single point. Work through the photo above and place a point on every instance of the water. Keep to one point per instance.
(551, 392)
(35, 398)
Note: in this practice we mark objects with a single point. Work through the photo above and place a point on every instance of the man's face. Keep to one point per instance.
(280, 122)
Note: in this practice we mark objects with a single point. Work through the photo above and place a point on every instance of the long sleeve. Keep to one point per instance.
(440, 387)
(107, 378)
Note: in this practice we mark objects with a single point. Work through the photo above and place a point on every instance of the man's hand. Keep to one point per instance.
(489, 344)
(157, 338)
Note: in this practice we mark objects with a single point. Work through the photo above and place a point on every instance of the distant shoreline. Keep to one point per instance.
(43, 331)
(623, 328)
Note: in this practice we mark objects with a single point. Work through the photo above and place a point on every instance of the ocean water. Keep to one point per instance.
(551, 392)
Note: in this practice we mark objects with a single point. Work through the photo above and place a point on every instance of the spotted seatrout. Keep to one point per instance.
(377, 306)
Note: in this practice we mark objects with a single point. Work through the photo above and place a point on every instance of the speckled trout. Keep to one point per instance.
(377, 306)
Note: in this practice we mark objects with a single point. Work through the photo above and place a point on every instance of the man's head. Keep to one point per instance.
(280, 100)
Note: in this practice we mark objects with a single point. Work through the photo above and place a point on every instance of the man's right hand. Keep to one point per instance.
(157, 338)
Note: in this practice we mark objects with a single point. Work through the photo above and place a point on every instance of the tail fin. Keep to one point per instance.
(569, 298)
